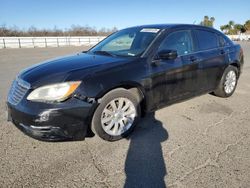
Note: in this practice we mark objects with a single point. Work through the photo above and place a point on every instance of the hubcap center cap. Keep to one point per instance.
(118, 116)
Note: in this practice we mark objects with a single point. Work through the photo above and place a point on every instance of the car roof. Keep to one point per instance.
(168, 26)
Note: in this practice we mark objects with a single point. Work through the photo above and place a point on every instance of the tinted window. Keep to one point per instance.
(181, 41)
(222, 41)
(228, 41)
(207, 40)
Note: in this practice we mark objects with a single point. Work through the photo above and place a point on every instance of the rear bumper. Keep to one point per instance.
(53, 122)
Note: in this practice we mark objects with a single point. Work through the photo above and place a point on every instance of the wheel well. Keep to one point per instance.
(140, 97)
(236, 65)
(137, 92)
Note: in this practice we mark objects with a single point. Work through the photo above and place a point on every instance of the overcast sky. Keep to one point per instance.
(124, 13)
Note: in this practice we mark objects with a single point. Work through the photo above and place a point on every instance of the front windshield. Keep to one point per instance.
(128, 42)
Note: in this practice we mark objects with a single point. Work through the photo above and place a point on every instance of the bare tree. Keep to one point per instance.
(75, 30)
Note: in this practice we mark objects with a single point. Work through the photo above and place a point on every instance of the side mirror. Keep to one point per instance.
(167, 54)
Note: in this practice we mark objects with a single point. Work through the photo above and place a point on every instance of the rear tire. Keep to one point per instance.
(116, 116)
(228, 82)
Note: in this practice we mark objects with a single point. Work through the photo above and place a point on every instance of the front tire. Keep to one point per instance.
(117, 115)
(228, 82)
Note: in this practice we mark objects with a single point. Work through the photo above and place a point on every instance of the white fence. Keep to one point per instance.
(34, 42)
(241, 37)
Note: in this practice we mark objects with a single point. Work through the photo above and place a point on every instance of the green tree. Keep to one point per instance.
(239, 28)
(247, 25)
(209, 22)
(231, 24)
(232, 29)
(225, 28)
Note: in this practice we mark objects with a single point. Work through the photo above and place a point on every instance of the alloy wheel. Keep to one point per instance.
(230, 82)
(118, 116)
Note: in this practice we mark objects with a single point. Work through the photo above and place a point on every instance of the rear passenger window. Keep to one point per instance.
(181, 41)
(207, 40)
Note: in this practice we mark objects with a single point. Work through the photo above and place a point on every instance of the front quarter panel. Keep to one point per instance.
(101, 81)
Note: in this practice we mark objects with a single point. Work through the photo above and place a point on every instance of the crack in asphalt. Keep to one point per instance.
(98, 167)
(175, 149)
(208, 162)
(205, 133)
(227, 147)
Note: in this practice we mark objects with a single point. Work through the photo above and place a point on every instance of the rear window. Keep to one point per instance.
(222, 41)
(228, 41)
(207, 40)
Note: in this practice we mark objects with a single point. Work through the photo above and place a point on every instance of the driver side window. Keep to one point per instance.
(181, 41)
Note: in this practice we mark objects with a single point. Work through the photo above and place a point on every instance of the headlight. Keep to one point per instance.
(54, 93)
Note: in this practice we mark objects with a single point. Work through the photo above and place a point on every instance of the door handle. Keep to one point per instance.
(222, 52)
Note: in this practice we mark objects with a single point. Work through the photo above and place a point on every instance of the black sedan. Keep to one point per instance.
(108, 88)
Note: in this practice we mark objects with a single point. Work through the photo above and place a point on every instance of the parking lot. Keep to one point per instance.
(203, 142)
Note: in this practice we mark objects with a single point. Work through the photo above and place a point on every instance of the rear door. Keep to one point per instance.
(212, 59)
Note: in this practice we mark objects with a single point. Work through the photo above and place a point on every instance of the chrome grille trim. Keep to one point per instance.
(17, 91)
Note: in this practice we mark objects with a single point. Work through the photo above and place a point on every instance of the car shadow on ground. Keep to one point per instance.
(145, 166)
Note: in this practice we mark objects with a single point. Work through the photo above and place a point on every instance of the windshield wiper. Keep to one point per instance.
(103, 53)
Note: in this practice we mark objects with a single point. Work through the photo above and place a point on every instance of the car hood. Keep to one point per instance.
(58, 70)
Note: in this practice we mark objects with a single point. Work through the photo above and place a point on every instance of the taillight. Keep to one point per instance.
(241, 51)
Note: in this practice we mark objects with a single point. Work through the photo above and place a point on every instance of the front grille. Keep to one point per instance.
(17, 91)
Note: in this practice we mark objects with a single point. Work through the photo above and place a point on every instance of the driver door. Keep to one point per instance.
(178, 76)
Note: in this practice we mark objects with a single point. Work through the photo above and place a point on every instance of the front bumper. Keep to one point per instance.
(69, 120)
